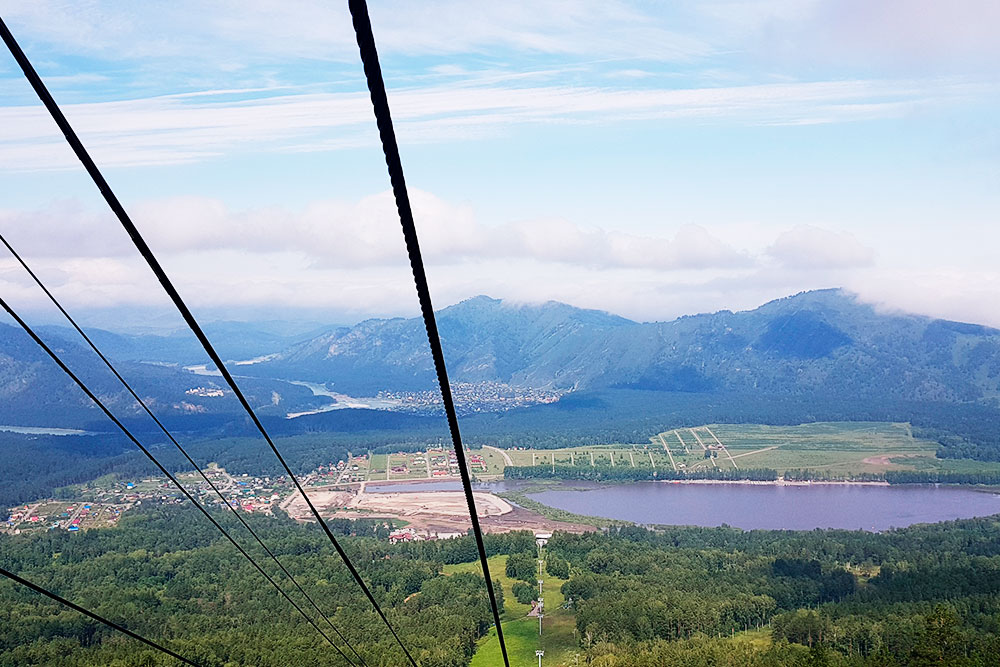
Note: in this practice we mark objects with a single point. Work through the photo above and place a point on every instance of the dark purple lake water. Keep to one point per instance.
(774, 507)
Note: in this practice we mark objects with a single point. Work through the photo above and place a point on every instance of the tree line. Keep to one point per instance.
(924, 595)
(916, 596)
(608, 473)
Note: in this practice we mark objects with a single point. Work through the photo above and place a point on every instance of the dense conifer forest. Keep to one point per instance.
(924, 595)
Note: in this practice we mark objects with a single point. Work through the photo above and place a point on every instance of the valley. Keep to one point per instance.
(420, 489)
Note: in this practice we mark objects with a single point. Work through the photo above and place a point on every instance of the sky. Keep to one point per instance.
(649, 159)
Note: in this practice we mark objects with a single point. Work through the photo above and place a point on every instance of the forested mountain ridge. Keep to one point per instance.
(822, 341)
(822, 344)
(485, 340)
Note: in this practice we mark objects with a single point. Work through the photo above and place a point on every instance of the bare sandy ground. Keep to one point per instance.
(437, 503)
(425, 511)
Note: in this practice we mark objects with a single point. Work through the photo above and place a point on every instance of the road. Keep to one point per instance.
(698, 439)
(722, 447)
(343, 472)
(683, 444)
(663, 440)
(756, 451)
(507, 461)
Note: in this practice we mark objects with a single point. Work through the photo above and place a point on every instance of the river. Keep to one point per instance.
(751, 506)
(340, 401)
(44, 430)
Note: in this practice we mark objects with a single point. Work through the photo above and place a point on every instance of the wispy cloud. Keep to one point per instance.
(185, 128)
(244, 80)
(313, 29)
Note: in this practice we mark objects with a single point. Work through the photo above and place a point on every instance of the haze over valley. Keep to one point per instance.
(501, 356)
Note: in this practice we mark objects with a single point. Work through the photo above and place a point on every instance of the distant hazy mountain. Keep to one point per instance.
(821, 343)
(815, 341)
(233, 340)
(34, 391)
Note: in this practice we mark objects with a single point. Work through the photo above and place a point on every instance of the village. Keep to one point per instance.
(104, 501)
(472, 397)
(101, 503)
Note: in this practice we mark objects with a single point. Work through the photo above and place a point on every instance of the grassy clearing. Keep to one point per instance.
(837, 448)
(377, 466)
(498, 571)
(842, 449)
(558, 638)
(494, 462)
(521, 637)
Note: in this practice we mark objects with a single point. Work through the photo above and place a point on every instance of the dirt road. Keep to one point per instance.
(507, 461)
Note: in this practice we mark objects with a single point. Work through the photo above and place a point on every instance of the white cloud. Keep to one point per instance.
(361, 234)
(809, 247)
(898, 35)
(955, 293)
(311, 29)
(347, 258)
(186, 128)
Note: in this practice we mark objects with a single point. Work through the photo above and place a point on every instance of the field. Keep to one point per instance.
(600, 455)
(839, 448)
(435, 463)
(520, 632)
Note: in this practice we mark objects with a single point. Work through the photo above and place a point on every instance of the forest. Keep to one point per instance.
(168, 575)
(924, 595)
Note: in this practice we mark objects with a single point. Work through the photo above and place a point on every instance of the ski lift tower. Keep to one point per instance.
(539, 654)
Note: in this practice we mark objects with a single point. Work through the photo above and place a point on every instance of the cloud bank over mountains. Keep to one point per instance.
(651, 159)
(348, 258)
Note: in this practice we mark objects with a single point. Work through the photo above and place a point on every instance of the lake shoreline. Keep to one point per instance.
(754, 505)
(773, 482)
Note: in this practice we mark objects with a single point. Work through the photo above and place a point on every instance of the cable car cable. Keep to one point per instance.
(59, 362)
(154, 265)
(380, 102)
(96, 617)
(172, 439)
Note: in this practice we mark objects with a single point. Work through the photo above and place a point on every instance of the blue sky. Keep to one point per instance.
(652, 159)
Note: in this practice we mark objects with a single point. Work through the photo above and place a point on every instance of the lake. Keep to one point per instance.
(774, 507)
(749, 506)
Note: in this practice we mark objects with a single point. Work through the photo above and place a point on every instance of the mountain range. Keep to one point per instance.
(822, 340)
(822, 343)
